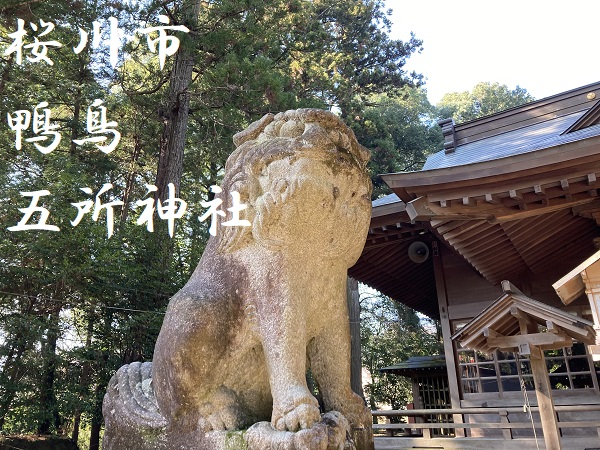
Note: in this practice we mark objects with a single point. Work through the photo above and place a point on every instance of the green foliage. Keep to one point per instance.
(401, 131)
(75, 304)
(483, 100)
(84, 438)
(390, 333)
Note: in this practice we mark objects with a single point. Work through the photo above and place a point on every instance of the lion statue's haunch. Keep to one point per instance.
(265, 303)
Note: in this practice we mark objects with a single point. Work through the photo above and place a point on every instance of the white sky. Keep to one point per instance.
(544, 46)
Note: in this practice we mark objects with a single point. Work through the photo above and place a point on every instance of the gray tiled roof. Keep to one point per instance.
(418, 362)
(523, 140)
(387, 200)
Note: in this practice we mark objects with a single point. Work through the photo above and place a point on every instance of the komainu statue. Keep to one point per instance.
(266, 303)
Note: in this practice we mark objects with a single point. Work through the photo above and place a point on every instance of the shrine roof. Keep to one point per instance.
(492, 328)
(417, 363)
(386, 200)
(523, 140)
(545, 123)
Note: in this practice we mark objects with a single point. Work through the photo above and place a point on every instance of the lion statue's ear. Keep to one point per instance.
(253, 131)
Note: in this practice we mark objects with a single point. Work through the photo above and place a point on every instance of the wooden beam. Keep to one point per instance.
(449, 351)
(591, 178)
(515, 195)
(509, 288)
(564, 184)
(493, 199)
(526, 324)
(506, 432)
(541, 192)
(488, 332)
(551, 327)
(516, 312)
(587, 207)
(439, 223)
(547, 340)
(422, 209)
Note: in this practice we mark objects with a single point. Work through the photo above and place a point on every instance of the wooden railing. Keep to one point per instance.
(504, 423)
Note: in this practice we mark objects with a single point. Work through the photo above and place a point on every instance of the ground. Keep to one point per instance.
(36, 443)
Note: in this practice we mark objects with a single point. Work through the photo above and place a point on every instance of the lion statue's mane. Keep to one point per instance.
(260, 144)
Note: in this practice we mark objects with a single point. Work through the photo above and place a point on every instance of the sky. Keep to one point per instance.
(544, 46)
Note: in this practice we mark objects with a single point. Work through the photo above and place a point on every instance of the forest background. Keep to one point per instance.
(78, 303)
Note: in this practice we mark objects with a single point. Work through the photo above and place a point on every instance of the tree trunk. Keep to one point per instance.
(175, 115)
(4, 79)
(47, 394)
(104, 371)
(76, 118)
(137, 149)
(85, 375)
(95, 434)
(13, 368)
(96, 421)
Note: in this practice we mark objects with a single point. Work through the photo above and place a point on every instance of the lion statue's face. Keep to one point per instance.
(303, 176)
(309, 201)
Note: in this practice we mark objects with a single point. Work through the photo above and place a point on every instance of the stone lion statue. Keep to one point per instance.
(265, 304)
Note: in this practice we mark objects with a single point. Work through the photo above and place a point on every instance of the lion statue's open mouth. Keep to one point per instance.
(265, 303)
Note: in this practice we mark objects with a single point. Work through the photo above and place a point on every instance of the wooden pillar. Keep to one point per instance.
(417, 399)
(543, 393)
(451, 366)
(355, 351)
(591, 278)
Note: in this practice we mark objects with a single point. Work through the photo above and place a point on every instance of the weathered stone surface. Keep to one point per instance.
(265, 303)
(332, 432)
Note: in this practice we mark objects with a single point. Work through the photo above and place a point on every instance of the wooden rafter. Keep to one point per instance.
(422, 209)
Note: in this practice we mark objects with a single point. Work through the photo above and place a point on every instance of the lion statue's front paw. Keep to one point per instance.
(224, 412)
(298, 411)
(227, 418)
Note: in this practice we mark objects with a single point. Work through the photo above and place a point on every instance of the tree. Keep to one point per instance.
(256, 57)
(77, 304)
(390, 333)
(399, 130)
(176, 108)
(483, 100)
(47, 278)
(343, 53)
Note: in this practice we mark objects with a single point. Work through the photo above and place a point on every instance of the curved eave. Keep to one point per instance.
(536, 211)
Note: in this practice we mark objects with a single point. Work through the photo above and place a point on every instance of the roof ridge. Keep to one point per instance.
(590, 118)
